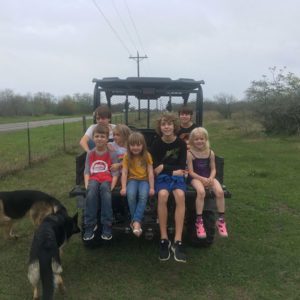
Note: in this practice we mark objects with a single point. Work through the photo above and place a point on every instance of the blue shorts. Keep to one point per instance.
(169, 183)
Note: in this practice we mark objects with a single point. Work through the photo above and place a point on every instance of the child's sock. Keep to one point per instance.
(221, 216)
(199, 218)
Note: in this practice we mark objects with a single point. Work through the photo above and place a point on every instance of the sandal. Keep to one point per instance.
(136, 229)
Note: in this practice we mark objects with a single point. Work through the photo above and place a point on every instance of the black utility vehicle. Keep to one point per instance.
(150, 91)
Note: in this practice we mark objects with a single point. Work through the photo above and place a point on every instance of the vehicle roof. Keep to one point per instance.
(148, 87)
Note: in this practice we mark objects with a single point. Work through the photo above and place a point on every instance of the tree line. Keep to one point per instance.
(273, 101)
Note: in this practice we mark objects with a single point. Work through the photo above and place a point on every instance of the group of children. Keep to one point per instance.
(180, 150)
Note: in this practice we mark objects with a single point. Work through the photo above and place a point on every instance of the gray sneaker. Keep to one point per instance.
(89, 232)
(179, 253)
(164, 249)
(106, 232)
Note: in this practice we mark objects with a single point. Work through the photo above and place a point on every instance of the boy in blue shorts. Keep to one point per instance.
(169, 161)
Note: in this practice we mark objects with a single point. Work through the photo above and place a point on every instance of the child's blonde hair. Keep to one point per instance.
(196, 132)
(167, 117)
(137, 138)
(124, 132)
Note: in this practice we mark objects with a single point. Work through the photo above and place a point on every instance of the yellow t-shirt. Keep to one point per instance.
(137, 168)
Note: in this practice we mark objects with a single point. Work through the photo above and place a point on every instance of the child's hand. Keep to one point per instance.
(111, 147)
(151, 192)
(205, 182)
(178, 173)
(210, 181)
(115, 167)
(123, 192)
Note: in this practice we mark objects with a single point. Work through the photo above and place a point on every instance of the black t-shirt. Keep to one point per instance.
(184, 133)
(171, 155)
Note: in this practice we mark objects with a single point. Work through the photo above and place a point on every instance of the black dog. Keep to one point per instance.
(16, 204)
(45, 253)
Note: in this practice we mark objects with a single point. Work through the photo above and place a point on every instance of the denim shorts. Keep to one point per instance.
(169, 183)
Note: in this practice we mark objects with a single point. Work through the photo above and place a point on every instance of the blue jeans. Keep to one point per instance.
(98, 195)
(137, 195)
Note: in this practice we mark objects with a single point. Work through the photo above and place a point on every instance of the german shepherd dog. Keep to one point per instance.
(45, 252)
(16, 204)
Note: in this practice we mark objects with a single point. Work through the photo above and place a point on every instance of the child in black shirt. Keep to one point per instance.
(169, 161)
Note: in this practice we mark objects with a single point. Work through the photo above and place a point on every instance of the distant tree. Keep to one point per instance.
(84, 103)
(66, 106)
(276, 101)
(43, 103)
(224, 106)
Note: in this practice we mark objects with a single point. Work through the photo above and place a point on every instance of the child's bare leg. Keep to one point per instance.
(198, 186)
(179, 213)
(220, 201)
(200, 230)
(162, 211)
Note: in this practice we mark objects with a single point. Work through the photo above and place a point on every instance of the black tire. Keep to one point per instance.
(209, 221)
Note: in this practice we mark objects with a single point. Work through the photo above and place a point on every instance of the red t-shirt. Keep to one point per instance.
(100, 166)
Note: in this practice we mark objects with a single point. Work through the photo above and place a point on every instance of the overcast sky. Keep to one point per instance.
(59, 46)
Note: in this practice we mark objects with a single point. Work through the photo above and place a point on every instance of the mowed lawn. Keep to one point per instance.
(259, 260)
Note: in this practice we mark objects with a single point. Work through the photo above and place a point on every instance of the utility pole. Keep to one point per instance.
(138, 58)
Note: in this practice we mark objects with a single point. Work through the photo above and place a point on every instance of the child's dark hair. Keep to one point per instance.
(103, 112)
(137, 138)
(184, 109)
(101, 129)
(167, 117)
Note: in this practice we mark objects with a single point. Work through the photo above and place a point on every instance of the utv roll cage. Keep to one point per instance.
(149, 88)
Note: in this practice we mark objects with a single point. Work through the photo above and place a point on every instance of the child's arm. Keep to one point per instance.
(86, 137)
(115, 167)
(151, 179)
(114, 182)
(124, 181)
(86, 180)
(86, 171)
(158, 169)
(212, 167)
(84, 143)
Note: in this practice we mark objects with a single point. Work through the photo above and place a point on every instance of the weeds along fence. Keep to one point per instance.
(21, 148)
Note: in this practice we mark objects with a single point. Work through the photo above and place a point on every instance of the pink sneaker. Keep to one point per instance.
(221, 225)
(200, 230)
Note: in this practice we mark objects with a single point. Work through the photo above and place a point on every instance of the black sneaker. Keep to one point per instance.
(178, 250)
(164, 249)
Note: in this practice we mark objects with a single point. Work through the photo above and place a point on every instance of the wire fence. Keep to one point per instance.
(23, 145)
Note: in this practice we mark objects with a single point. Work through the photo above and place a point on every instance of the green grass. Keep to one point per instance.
(259, 260)
(45, 142)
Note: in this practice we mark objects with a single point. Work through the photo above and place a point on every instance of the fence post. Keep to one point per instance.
(28, 142)
(84, 124)
(64, 135)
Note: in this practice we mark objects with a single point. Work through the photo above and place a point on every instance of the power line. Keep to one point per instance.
(124, 25)
(111, 27)
(133, 24)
